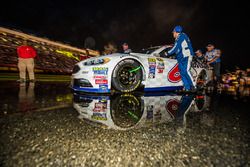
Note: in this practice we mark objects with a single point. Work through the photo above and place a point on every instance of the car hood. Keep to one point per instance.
(115, 55)
(138, 54)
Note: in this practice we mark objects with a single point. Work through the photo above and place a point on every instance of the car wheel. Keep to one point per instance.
(126, 110)
(127, 76)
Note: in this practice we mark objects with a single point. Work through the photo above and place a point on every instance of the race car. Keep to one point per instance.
(148, 71)
(128, 111)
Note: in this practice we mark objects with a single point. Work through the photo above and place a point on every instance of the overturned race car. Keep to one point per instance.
(146, 71)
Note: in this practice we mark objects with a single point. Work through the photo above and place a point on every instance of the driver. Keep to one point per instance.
(184, 54)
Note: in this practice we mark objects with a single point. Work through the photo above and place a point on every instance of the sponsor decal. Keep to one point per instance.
(103, 99)
(160, 67)
(101, 81)
(100, 77)
(152, 67)
(151, 72)
(174, 74)
(151, 60)
(100, 107)
(172, 107)
(100, 70)
(99, 116)
(151, 76)
(103, 87)
(160, 70)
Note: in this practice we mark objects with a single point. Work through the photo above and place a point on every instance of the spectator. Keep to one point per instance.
(213, 59)
(184, 54)
(126, 48)
(26, 55)
(84, 56)
(110, 48)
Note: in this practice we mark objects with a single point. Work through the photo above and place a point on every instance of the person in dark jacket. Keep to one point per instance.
(199, 60)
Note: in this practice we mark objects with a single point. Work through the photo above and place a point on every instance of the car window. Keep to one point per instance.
(164, 53)
(149, 50)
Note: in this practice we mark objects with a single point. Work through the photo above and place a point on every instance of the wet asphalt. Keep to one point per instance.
(45, 124)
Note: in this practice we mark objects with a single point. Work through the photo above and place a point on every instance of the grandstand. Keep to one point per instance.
(53, 57)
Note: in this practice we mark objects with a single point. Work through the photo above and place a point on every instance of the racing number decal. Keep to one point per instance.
(174, 74)
(172, 106)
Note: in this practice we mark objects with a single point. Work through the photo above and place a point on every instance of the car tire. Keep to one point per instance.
(127, 76)
(126, 110)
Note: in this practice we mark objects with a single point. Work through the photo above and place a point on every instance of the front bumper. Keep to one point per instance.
(83, 85)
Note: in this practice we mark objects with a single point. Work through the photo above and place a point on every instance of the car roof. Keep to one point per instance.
(161, 48)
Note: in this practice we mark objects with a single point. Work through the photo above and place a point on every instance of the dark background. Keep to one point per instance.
(141, 23)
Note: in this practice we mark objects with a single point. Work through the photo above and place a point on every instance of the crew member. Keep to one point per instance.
(213, 59)
(184, 54)
(199, 59)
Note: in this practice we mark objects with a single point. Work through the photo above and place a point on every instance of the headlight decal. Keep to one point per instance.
(96, 61)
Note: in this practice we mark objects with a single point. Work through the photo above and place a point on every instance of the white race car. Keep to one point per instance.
(148, 71)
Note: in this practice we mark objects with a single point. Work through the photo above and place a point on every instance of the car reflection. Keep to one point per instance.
(128, 111)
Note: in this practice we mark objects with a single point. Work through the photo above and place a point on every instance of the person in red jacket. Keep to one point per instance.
(26, 55)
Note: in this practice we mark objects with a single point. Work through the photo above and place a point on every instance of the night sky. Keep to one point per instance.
(141, 23)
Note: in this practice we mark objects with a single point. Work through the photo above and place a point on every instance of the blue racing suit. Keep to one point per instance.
(184, 54)
(186, 101)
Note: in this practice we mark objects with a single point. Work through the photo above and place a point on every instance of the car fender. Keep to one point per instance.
(135, 58)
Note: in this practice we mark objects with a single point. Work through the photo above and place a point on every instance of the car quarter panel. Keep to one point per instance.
(161, 72)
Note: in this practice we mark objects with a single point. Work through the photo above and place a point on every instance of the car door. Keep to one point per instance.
(171, 68)
(163, 71)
